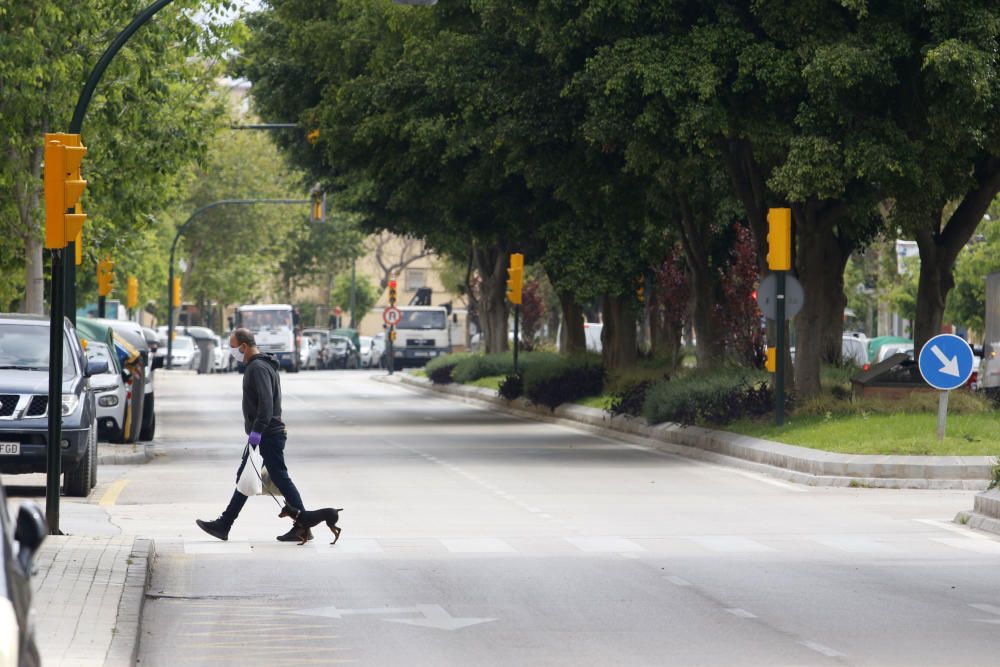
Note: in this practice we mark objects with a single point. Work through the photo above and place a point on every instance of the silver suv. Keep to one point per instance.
(24, 389)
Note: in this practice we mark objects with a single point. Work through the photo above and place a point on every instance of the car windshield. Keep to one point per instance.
(315, 336)
(338, 343)
(256, 320)
(26, 347)
(422, 319)
(183, 343)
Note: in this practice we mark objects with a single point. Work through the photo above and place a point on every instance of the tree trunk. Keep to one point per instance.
(572, 339)
(939, 249)
(618, 336)
(821, 260)
(492, 266)
(696, 240)
(665, 339)
(34, 276)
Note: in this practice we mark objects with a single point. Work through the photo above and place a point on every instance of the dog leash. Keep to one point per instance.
(261, 478)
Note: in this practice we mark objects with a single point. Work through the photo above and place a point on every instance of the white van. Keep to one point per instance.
(273, 328)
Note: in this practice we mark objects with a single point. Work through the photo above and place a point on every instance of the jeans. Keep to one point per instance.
(272, 450)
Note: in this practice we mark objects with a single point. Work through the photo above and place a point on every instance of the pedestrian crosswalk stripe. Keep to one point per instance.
(730, 544)
(604, 544)
(854, 544)
(481, 545)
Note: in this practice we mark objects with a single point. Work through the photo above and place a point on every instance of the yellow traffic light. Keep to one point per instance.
(132, 298)
(78, 246)
(177, 293)
(105, 276)
(63, 154)
(318, 213)
(772, 360)
(779, 239)
(515, 278)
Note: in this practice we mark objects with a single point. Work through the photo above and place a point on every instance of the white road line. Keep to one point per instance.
(795, 488)
(741, 613)
(617, 545)
(965, 544)
(730, 544)
(677, 581)
(820, 648)
(988, 608)
(854, 544)
(478, 545)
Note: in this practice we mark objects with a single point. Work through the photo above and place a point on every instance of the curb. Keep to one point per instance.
(791, 463)
(985, 514)
(123, 455)
(124, 650)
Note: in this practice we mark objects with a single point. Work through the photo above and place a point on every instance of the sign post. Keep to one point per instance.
(945, 363)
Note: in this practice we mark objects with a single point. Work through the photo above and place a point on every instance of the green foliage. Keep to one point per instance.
(511, 387)
(967, 302)
(714, 398)
(554, 381)
(365, 294)
(440, 369)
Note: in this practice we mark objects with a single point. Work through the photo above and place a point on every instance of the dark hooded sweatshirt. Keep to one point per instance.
(262, 396)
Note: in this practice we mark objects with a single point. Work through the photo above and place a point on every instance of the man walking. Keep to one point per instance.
(263, 425)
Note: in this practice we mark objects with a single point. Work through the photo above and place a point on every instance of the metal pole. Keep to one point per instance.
(517, 319)
(102, 306)
(388, 346)
(170, 304)
(354, 266)
(53, 455)
(779, 351)
(942, 414)
(69, 273)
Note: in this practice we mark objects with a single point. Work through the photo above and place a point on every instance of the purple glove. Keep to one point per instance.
(254, 438)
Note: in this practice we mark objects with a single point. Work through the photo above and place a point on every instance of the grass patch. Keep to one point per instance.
(418, 372)
(602, 402)
(971, 434)
(488, 382)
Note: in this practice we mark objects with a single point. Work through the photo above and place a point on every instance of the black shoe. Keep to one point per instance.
(295, 536)
(214, 528)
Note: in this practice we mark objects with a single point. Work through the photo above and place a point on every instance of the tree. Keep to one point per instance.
(365, 295)
(49, 48)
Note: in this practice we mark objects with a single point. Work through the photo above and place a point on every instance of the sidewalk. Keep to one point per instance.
(89, 593)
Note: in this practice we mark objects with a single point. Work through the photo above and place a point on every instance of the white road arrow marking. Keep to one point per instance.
(950, 366)
(434, 616)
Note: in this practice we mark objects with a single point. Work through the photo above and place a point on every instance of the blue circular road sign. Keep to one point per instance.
(946, 362)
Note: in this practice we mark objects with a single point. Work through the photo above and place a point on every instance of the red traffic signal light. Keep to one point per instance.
(392, 284)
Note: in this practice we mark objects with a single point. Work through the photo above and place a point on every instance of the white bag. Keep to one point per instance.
(249, 483)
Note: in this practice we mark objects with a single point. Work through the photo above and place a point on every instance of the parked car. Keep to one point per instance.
(110, 393)
(183, 353)
(17, 629)
(220, 356)
(855, 349)
(890, 349)
(366, 351)
(308, 357)
(143, 397)
(378, 351)
(343, 353)
(24, 398)
(320, 353)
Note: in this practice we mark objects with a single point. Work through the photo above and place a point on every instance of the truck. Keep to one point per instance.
(422, 334)
(274, 327)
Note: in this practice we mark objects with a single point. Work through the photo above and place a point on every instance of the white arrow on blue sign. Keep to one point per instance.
(946, 362)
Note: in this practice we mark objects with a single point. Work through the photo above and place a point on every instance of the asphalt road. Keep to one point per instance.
(472, 538)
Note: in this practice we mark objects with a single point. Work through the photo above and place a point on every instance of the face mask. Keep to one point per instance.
(237, 354)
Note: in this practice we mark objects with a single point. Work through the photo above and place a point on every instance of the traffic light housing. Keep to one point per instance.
(105, 276)
(318, 213)
(640, 289)
(515, 278)
(132, 296)
(779, 239)
(63, 186)
(176, 293)
(392, 292)
(772, 360)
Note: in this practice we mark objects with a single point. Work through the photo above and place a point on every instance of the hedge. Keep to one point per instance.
(552, 382)
(719, 397)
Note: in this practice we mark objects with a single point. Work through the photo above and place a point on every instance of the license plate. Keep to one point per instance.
(10, 448)
(421, 353)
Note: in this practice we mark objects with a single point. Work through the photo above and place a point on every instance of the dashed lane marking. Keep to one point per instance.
(821, 648)
(741, 613)
(678, 581)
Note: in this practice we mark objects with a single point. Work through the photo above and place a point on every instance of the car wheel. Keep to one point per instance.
(77, 481)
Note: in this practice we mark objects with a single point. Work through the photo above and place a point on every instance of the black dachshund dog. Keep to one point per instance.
(305, 520)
